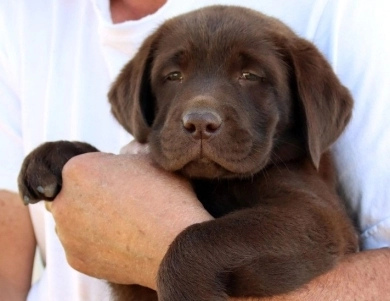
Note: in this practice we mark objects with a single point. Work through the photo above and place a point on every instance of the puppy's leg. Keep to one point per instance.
(262, 251)
(40, 177)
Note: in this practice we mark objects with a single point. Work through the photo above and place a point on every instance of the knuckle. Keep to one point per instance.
(83, 266)
(83, 164)
(76, 263)
(74, 166)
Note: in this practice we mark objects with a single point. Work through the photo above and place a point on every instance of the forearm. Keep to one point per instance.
(11, 291)
(361, 276)
(146, 228)
(17, 247)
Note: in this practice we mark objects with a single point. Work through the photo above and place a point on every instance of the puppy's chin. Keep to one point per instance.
(204, 168)
(208, 169)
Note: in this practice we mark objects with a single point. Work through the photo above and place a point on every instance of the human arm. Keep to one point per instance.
(17, 249)
(17, 239)
(360, 276)
(134, 235)
(114, 200)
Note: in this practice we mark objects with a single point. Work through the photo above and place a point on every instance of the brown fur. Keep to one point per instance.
(249, 119)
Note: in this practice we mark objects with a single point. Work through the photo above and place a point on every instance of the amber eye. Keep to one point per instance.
(175, 76)
(251, 76)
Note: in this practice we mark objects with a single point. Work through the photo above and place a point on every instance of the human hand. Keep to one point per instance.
(117, 215)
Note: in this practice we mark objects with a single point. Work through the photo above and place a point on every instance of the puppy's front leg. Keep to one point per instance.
(40, 177)
(263, 251)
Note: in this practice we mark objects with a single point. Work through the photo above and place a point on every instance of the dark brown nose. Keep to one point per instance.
(201, 124)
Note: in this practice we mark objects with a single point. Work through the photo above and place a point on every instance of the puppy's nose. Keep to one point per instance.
(201, 124)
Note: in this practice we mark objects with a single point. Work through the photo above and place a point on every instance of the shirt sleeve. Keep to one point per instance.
(355, 39)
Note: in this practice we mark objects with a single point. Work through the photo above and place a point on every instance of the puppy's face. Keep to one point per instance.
(216, 94)
(221, 100)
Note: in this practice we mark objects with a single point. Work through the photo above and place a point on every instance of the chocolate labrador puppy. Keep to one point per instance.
(247, 110)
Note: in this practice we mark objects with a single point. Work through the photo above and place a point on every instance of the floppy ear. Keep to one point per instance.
(131, 96)
(326, 103)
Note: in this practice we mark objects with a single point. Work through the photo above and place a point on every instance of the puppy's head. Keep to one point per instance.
(226, 91)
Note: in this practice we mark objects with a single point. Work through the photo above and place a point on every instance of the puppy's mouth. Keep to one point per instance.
(208, 163)
(228, 154)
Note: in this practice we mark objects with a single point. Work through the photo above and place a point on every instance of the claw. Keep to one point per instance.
(26, 200)
(48, 191)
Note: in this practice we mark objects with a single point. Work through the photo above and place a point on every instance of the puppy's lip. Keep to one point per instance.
(192, 159)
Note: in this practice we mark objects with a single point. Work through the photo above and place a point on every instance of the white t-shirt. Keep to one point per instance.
(58, 58)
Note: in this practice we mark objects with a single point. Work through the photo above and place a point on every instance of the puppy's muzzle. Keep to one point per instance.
(201, 123)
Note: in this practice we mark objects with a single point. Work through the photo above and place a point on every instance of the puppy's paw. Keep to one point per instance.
(40, 176)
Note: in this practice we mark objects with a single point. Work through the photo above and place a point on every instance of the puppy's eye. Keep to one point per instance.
(175, 76)
(251, 76)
